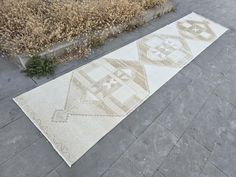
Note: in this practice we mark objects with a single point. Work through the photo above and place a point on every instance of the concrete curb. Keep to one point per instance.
(63, 48)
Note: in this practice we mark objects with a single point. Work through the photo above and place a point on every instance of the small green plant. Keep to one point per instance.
(173, 9)
(131, 27)
(38, 66)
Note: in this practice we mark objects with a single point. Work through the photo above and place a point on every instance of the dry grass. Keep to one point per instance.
(30, 26)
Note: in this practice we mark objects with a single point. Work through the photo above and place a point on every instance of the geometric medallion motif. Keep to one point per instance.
(132, 70)
(164, 50)
(198, 30)
(109, 89)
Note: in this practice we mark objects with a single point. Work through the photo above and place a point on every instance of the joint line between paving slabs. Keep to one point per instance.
(159, 114)
(187, 135)
(18, 153)
(119, 156)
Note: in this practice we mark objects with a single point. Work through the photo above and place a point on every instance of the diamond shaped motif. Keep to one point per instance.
(198, 30)
(105, 89)
(164, 50)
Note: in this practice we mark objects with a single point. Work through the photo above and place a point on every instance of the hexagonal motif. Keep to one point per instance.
(164, 50)
(109, 89)
(198, 30)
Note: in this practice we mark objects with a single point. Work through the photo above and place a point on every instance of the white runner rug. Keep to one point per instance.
(77, 109)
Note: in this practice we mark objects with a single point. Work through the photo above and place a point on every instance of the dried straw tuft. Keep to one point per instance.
(30, 26)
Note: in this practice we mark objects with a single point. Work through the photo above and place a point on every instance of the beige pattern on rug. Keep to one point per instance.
(77, 109)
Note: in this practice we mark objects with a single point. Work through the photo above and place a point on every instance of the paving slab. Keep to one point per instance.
(208, 74)
(211, 121)
(179, 114)
(211, 171)
(227, 89)
(53, 174)
(99, 158)
(183, 109)
(123, 168)
(192, 71)
(124, 38)
(205, 59)
(12, 81)
(151, 148)
(9, 111)
(187, 159)
(230, 75)
(222, 11)
(158, 174)
(232, 122)
(220, 56)
(37, 160)
(144, 115)
(224, 154)
(182, 10)
(16, 137)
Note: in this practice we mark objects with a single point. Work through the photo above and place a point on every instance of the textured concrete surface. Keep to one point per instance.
(187, 128)
(186, 159)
